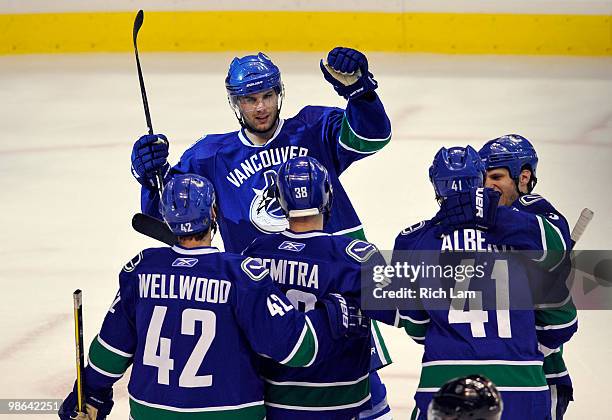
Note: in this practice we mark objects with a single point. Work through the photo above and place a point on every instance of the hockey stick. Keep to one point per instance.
(586, 215)
(77, 299)
(138, 21)
(153, 228)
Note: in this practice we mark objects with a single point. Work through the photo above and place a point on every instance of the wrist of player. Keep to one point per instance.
(345, 318)
(98, 405)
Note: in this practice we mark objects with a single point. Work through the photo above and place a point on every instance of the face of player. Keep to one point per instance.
(499, 179)
(260, 110)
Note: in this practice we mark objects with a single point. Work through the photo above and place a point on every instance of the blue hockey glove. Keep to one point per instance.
(345, 317)
(149, 155)
(476, 208)
(347, 70)
(99, 405)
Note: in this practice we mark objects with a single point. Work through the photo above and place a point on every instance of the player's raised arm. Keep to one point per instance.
(364, 127)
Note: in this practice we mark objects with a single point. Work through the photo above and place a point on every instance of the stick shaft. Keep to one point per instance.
(77, 298)
(138, 21)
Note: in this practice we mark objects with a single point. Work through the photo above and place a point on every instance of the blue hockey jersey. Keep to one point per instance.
(191, 322)
(554, 366)
(501, 344)
(242, 172)
(306, 266)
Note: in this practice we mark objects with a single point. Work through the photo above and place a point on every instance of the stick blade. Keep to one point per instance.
(153, 228)
(137, 24)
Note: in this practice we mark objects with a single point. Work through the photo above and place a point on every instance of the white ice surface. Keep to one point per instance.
(67, 124)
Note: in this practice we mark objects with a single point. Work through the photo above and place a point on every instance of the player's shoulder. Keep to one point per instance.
(534, 203)
(209, 144)
(410, 235)
(144, 259)
(262, 242)
(244, 271)
(354, 251)
(313, 113)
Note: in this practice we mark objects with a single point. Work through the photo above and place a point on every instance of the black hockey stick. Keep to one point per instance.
(137, 25)
(153, 228)
(77, 300)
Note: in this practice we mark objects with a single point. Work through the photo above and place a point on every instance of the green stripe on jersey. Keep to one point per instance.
(357, 234)
(106, 359)
(515, 376)
(303, 397)
(558, 316)
(554, 363)
(412, 329)
(306, 348)
(553, 244)
(140, 411)
(354, 141)
(381, 345)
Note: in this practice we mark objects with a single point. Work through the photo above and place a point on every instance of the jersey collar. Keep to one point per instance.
(195, 251)
(245, 139)
(303, 235)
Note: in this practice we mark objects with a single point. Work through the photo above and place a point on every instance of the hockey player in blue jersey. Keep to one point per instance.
(501, 344)
(307, 264)
(190, 320)
(511, 162)
(242, 164)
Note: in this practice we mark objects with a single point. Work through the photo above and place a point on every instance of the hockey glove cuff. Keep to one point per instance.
(345, 317)
(98, 404)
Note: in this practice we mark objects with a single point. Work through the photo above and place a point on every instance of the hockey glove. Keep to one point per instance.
(476, 208)
(98, 405)
(347, 70)
(345, 317)
(149, 155)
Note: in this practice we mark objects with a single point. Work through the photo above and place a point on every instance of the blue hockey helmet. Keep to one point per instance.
(471, 397)
(187, 203)
(251, 74)
(513, 152)
(303, 187)
(456, 169)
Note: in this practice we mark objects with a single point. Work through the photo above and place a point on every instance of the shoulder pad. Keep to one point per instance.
(131, 264)
(254, 268)
(529, 199)
(361, 251)
(413, 228)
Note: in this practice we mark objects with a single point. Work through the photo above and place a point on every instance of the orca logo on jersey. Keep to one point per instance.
(184, 262)
(254, 268)
(265, 212)
(292, 246)
(131, 265)
(479, 202)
